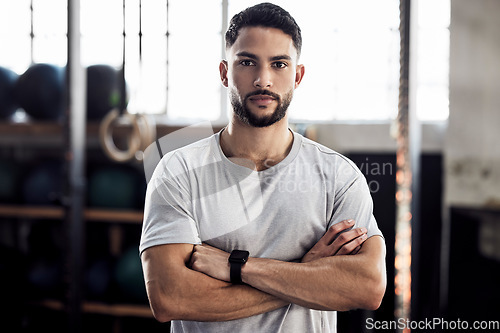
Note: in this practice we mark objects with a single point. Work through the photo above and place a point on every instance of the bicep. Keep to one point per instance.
(164, 269)
(164, 259)
(373, 250)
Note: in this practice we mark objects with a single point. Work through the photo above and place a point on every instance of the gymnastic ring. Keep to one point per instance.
(147, 126)
(106, 136)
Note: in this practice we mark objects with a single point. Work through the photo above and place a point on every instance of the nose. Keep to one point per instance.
(263, 79)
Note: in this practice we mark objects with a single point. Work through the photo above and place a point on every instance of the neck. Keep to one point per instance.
(256, 147)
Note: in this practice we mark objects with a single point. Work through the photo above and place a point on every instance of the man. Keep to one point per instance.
(258, 229)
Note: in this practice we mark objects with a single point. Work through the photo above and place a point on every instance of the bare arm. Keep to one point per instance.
(330, 283)
(340, 282)
(178, 292)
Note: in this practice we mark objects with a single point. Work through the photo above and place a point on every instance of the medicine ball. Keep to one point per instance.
(45, 276)
(12, 288)
(44, 184)
(9, 182)
(40, 91)
(98, 277)
(103, 90)
(129, 276)
(8, 104)
(45, 258)
(114, 187)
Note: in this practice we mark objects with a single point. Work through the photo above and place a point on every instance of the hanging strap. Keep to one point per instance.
(123, 85)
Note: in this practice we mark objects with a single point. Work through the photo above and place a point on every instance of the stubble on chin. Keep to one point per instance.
(246, 116)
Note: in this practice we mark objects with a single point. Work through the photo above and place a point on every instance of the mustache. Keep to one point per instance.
(263, 92)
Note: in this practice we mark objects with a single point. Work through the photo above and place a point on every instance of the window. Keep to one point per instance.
(350, 49)
(48, 44)
(433, 46)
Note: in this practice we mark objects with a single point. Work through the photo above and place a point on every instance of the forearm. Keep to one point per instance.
(331, 283)
(184, 294)
(214, 300)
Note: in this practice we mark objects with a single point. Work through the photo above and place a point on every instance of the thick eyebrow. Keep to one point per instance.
(281, 57)
(246, 55)
(254, 57)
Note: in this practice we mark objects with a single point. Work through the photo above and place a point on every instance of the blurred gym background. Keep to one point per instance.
(407, 89)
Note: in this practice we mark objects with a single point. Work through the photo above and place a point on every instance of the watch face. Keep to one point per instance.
(238, 256)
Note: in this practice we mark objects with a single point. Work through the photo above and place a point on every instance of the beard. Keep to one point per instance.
(244, 114)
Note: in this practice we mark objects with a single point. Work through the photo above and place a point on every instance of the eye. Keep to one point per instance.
(280, 64)
(246, 62)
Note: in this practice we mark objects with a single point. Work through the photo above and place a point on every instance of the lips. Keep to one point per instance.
(261, 99)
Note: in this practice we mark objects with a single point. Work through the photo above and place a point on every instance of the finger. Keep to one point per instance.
(205, 248)
(335, 229)
(191, 260)
(347, 236)
(194, 254)
(344, 238)
(356, 250)
(353, 246)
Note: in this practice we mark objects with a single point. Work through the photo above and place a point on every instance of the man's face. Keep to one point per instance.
(261, 73)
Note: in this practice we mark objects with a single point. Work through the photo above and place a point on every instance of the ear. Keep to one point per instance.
(299, 74)
(223, 68)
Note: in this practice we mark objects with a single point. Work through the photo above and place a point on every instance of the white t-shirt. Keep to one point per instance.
(196, 194)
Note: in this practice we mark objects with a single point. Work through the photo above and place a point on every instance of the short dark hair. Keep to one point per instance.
(266, 15)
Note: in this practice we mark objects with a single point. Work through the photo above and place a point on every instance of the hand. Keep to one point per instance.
(337, 242)
(210, 261)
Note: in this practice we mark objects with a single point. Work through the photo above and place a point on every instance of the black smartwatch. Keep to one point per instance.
(236, 260)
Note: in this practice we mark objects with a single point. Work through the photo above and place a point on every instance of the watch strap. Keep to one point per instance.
(235, 272)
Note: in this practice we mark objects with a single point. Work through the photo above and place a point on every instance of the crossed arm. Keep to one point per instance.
(190, 282)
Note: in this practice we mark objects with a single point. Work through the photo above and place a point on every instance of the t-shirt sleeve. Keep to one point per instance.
(168, 208)
(352, 200)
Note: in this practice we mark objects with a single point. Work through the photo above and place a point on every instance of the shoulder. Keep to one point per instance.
(314, 152)
(188, 157)
(192, 150)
